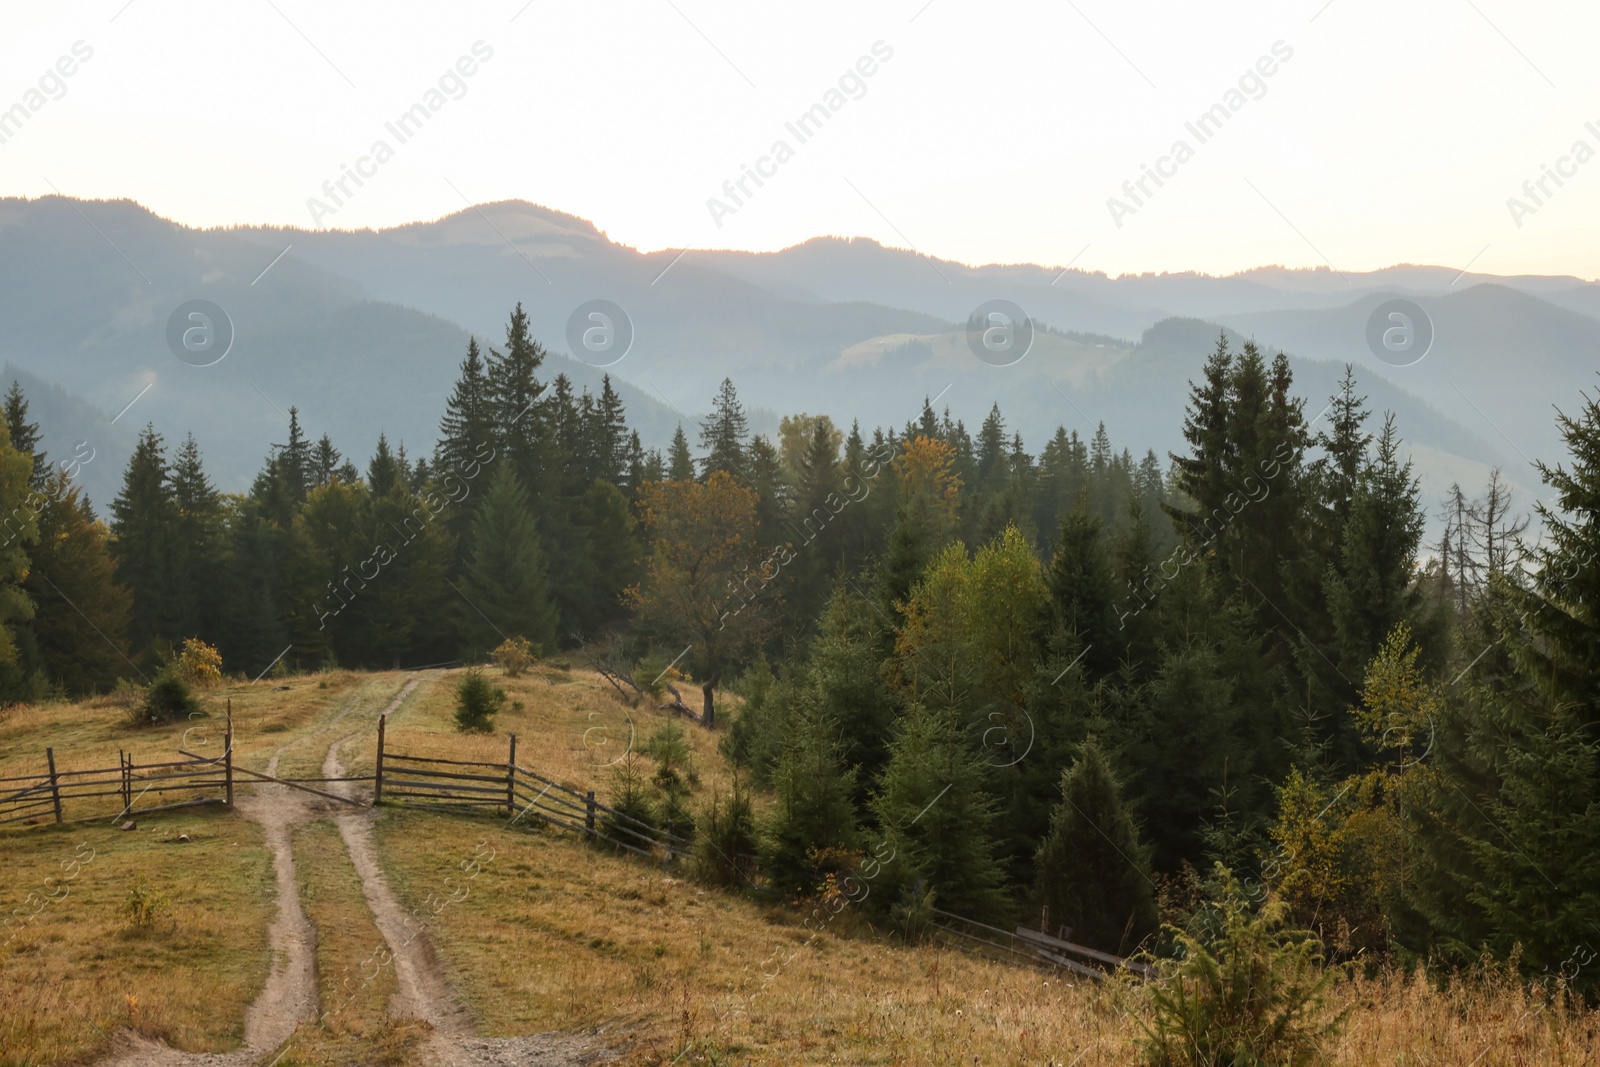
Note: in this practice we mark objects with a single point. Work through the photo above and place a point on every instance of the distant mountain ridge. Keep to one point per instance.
(363, 331)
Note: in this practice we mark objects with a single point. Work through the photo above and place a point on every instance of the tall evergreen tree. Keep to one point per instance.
(81, 626)
(814, 810)
(144, 525)
(724, 434)
(1093, 871)
(680, 464)
(515, 401)
(25, 435)
(505, 586)
(937, 817)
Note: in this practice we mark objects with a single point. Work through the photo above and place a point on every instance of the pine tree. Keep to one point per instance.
(610, 555)
(325, 460)
(680, 464)
(82, 623)
(25, 435)
(144, 521)
(612, 436)
(515, 401)
(844, 673)
(1093, 871)
(723, 435)
(1563, 607)
(198, 541)
(505, 586)
(1374, 586)
(296, 463)
(1081, 591)
(814, 810)
(937, 817)
(19, 505)
(384, 470)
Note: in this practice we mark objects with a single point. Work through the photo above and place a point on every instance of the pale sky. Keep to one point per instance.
(993, 132)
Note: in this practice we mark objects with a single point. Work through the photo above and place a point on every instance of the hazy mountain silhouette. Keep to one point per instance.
(363, 331)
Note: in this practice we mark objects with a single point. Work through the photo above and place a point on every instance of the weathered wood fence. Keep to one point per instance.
(57, 794)
(427, 781)
(1031, 948)
(518, 793)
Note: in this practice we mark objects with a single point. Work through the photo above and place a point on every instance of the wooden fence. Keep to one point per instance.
(516, 791)
(1031, 948)
(56, 793)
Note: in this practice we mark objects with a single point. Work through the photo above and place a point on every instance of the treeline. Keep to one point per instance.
(1261, 681)
(522, 521)
(1010, 685)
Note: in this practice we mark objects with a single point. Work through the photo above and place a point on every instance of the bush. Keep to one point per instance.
(725, 853)
(1254, 993)
(200, 664)
(515, 655)
(167, 699)
(629, 801)
(477, 702)
(144, 905)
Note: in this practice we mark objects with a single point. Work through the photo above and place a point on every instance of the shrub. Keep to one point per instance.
(629, 801)
(515, 655)
(167, 699)
(200, 664)
(477, 702)
(1254, 993)
(144, 905)
(725, 853)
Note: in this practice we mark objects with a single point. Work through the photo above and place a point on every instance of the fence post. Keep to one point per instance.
(227, 754)
(511, 778)
(377, 790)
(588, 814)
(55, 789)
(127, 783)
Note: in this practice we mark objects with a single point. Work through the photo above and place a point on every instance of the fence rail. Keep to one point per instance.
(1031, 948)
(517, 791)
(425, 781)
(37, 798)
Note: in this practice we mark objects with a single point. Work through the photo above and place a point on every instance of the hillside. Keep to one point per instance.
(538, 946)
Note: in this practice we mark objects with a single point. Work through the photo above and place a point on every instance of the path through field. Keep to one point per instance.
(289, 997)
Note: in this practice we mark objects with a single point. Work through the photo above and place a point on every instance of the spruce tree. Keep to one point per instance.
(612, 436)
(1093, 871)
(680, 464)
(515, 401)
(505, 588)
(1081, 591)
(144, 527)
(198, 541)
(325, 460)
(814, 811)
(22, 529)
(1563, 606)
(25, 435)
(938, 818)
(1373, 587)
(82, 623)
(384, 470)
(724, 434)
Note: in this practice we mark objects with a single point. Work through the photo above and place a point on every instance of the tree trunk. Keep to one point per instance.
(708, 716)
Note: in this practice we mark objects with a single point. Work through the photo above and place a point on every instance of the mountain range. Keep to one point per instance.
(363, 331)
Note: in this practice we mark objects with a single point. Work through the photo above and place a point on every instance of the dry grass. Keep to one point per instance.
(570, 727)
(90, 735)
(79, 969)
(557, 935)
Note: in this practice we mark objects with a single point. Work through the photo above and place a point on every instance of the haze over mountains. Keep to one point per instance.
(363, 331)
